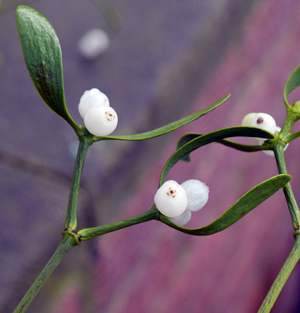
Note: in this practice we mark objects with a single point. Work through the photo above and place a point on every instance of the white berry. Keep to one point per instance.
(91, 98)
(171, 199)
(247, 119)
(93, 43)
(264, 121)
(182, 219)
(101, 120)
(197, 194)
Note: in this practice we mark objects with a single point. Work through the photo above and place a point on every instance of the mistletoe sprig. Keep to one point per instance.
(43, 57)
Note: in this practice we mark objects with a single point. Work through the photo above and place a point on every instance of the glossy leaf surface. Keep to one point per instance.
(42, 53)
(243, 206)
(292, 83)
(198, 142)
(167, 128)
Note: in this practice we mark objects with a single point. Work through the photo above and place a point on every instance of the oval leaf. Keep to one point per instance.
(292, 83)
(167, 128)
(43, 58)
(243, 206)
(238, 131)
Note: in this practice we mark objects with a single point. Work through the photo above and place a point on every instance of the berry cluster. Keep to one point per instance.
(99, 118)
(179, 201)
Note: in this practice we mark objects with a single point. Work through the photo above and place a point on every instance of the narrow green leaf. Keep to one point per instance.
(245, 148)
(292, 83)
(167, 128)
(184, 140)
(238, 131)
(42, 53)
(243, 206)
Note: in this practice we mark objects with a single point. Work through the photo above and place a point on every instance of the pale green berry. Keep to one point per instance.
(247, 119)
(91, 98)
(101, 120)
(182, 219)
(197, 194)
(171, 199)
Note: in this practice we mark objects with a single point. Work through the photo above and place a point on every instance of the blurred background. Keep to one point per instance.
(164, 60)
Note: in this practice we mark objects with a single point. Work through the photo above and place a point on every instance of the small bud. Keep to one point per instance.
(264, 121)
(197, 194)
(170, 199)
(101, 120)
(182, 219)
(93, 43)
(91, 98)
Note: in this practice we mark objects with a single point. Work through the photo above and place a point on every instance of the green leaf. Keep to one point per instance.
(184, 140)
(245, 148)
(292, 83)
(243, 206)
(238, 131)
(43, 58)
(167, 128)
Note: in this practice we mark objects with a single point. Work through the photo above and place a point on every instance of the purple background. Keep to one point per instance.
(169, 59)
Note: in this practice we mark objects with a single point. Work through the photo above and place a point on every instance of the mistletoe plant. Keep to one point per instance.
(43, 58)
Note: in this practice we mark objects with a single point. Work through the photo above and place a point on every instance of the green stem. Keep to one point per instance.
(71, 218)
(89, 233)
(281, 278)
(291, 137)
(289, 121)
(64, 247)
(288, 192)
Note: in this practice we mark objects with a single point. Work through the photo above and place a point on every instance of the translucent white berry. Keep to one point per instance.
(263, 121)
(93, 43)
(197, 194)
(91, 98)
(247, 119)
(171, 199)
(101, 120)
(182, 219)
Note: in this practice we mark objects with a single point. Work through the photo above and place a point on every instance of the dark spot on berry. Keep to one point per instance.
(109, 115)
(171, 192)
(260, 120)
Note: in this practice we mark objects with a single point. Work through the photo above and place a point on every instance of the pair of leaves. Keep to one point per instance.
(246, 203)
(42, 53)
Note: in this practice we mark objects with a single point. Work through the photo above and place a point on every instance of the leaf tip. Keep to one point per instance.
(21, 8)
